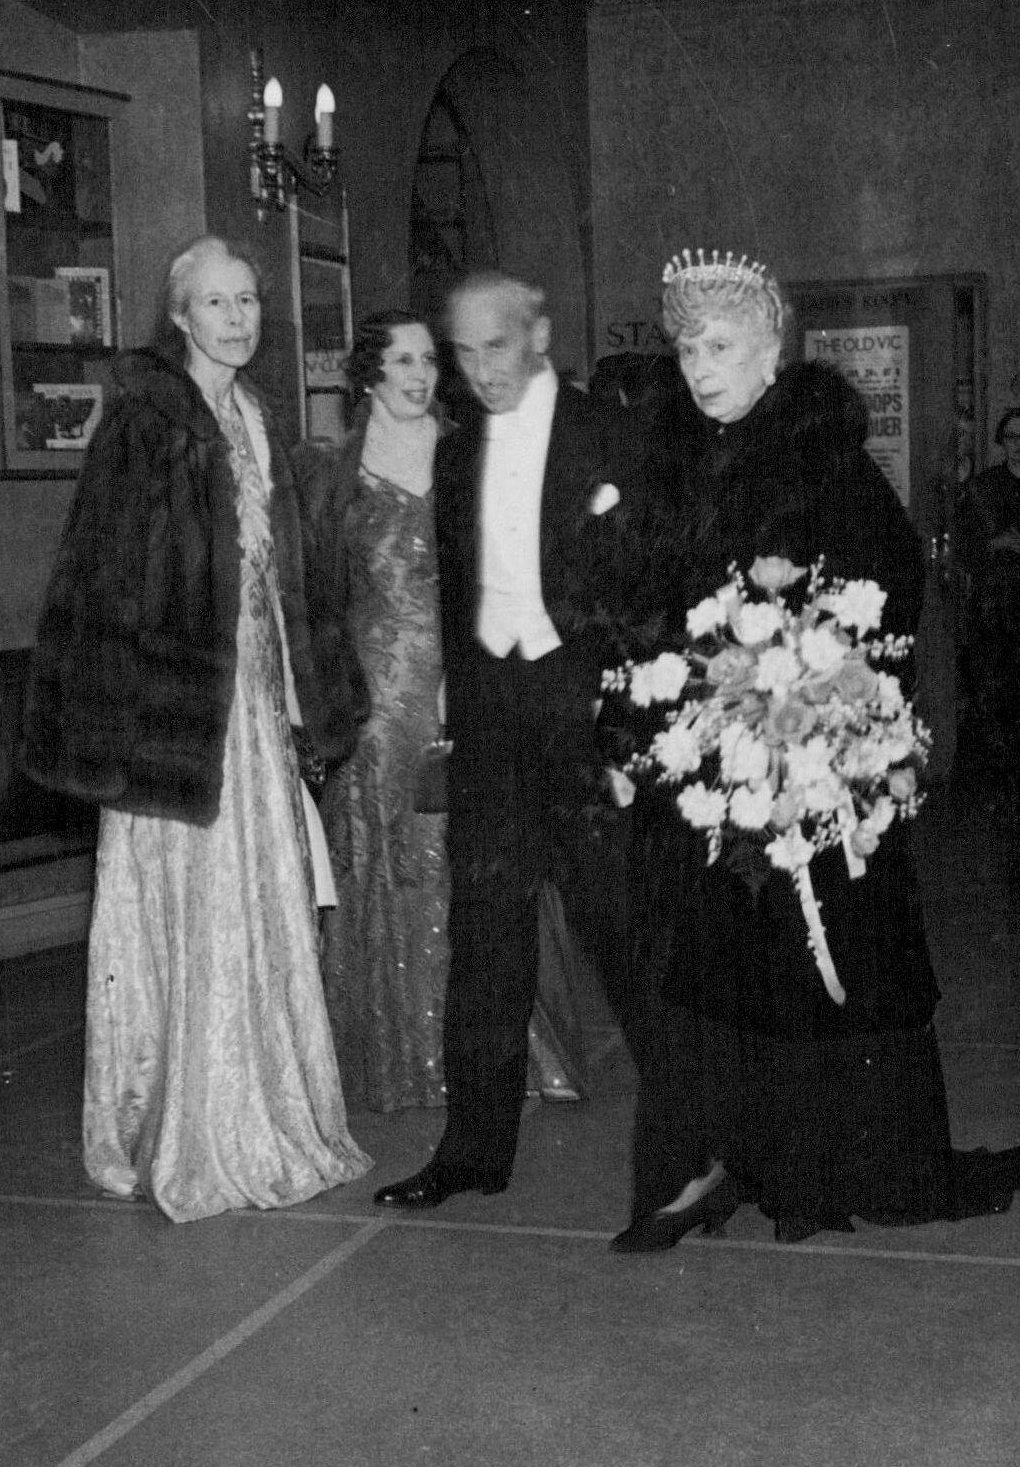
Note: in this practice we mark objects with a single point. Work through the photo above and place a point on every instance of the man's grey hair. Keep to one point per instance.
(526, 301)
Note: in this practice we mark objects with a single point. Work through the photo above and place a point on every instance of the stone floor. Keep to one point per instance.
(500, 1330)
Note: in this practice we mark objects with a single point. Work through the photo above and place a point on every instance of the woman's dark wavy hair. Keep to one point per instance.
(1000, 427)
(371, 338)
(167, 337)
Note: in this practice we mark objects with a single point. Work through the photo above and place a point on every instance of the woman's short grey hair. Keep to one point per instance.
(167, 337)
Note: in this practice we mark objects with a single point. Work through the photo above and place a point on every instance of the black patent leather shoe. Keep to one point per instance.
(433, 1184)
(661, 1230)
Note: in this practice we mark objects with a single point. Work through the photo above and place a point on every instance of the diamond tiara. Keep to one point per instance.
(693, 289)
(715, 272)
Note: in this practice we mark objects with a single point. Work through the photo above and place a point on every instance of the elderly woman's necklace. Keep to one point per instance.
(228, 414)
(223, 407)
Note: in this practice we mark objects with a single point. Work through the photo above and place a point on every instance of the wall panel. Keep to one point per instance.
(832, 139)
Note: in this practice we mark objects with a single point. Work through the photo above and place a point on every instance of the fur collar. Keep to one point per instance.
(812, 407)
(146, 376)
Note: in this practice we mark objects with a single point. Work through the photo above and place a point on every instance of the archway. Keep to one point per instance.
(491, 189)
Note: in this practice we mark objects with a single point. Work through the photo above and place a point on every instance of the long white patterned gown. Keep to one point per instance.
(211, 1080)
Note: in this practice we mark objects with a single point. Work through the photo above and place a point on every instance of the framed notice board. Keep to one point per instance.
(915, 347)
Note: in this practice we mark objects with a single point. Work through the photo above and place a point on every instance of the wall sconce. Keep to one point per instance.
(275, 175)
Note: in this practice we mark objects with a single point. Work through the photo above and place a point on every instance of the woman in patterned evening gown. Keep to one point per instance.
(386, 951)
(210, 1076)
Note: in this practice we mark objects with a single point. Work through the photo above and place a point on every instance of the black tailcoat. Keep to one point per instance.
(524, 762)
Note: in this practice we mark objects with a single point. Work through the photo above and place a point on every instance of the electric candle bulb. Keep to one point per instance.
(325, 106)
(272, 102)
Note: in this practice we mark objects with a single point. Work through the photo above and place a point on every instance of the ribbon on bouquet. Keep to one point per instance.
(791, 852)
(817, 941)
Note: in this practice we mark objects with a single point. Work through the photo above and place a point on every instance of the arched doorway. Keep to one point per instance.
(492, 189)
(452, 228)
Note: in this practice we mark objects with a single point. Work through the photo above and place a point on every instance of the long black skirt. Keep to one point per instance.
(846, 1126)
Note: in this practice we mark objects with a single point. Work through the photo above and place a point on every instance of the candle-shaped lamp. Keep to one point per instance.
(272, 102)
(325, 106)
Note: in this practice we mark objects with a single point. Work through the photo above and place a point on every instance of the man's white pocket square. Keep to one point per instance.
(606, 497)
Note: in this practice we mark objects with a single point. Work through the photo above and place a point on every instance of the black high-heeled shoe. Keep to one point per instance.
(661, 1230)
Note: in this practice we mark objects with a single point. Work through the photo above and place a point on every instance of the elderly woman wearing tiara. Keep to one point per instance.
(817, 1112)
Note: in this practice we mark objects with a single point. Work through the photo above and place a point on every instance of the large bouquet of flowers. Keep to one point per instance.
(782, 729)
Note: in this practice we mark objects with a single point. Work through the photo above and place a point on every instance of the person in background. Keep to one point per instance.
(996, 492)
(370, 510)
(816, 1112)
(174, 654)
(991, 553)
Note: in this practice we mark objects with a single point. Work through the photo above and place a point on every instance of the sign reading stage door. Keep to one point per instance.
(876, 359)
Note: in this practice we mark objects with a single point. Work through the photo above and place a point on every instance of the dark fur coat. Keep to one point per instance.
(791, 478)
(133, 673)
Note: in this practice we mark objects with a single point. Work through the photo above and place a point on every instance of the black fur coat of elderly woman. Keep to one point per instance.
(175, 652)
(818, 1112)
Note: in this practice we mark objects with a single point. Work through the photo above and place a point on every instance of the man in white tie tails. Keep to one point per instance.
(531, 502)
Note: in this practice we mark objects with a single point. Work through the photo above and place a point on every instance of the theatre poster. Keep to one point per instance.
(876, 359)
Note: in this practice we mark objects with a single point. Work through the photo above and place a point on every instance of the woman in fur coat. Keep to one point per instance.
(816, 1112)
(174, 653)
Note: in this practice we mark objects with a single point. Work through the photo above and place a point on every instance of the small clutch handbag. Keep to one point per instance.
(430, 779)
(312, 767)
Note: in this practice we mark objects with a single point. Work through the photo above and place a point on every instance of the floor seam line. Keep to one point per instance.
(371, 1226)
(186, 1376)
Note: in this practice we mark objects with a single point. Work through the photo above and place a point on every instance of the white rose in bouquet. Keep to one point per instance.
(787, 806)
(889, 693)
(902, 783)
(774, 573)
(865, 838)
(703, 808)
(821, 650)
(855, 681)
(751, 808)
(660, 681)
(859, 604)
(808, 763)
(778, 670)
(731, 668)
(824, 795)
(744, 758)
(790, 850)
(677, 750)
(755, 622)
(669, 673)
(707, 616)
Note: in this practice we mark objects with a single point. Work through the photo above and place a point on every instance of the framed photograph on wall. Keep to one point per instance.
(66, 413)
(89, 304)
